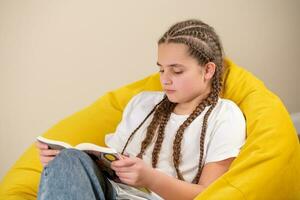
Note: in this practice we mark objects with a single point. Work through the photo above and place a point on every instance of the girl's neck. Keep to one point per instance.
(186, 108)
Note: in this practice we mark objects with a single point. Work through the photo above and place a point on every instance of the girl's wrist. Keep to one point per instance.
(150, 178)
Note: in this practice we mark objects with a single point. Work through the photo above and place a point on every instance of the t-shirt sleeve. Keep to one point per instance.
(228, 135)
(117, 139)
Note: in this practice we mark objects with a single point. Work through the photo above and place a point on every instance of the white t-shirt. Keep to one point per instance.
(225, 135)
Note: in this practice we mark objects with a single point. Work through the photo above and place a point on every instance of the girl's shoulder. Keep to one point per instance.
(227, 103)
(227, 109)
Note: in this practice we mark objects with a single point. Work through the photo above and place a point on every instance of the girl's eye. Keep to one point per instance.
(178, 72)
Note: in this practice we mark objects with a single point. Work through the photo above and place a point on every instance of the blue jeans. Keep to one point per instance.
(74, 175)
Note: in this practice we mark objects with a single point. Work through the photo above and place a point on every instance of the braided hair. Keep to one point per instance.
(204, 45)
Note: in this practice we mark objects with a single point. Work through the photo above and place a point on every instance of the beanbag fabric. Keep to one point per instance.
(268, 166)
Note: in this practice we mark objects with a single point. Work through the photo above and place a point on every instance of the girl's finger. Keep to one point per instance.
(49, 152)
(122, 169)
(126, 162)
(125, 175)
(127, 181)
(41, 145)
(45, 159)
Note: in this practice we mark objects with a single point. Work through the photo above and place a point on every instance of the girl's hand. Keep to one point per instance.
(133, 171)
(46, 154)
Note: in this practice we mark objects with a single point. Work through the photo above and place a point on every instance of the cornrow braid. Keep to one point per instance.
(187, 29)
(181, 25)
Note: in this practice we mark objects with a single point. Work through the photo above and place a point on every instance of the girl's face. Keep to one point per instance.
(181, 77)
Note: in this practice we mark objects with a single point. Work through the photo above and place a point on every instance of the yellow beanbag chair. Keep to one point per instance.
(268, 167)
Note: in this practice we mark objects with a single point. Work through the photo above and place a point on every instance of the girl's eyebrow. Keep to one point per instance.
(172, 65)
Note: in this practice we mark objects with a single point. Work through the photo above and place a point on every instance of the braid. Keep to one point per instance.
(179, 135)
(178, 27)
(131, 135)
(161, 133)
(151, 130)
(202, 140)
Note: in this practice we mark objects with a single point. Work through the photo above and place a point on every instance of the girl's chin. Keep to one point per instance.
(172, 98)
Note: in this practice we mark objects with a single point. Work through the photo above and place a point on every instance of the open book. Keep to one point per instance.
(103, 156)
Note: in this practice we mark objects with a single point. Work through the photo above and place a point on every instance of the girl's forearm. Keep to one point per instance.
(171, 188)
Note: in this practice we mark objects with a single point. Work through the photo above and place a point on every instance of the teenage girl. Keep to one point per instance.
(175, 142)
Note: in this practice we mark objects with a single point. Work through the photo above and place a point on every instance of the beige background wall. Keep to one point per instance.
(57, 57)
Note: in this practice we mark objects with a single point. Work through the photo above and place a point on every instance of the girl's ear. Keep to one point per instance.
(210, 69)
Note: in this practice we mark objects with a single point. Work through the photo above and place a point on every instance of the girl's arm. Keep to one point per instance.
(172, 188)
(134, 171)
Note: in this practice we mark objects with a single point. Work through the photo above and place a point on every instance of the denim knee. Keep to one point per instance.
(72, 153)
(67, 157)
(73, 175)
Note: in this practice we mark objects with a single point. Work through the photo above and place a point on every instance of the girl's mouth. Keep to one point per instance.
(170, 91)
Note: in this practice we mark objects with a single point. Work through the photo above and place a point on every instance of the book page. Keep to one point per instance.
(54, 144)
(94, 147)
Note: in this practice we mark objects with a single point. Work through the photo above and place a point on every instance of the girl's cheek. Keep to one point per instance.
(187, 84)
(180, 83)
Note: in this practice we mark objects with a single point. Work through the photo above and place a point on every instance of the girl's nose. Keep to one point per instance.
(166, 82)
(165, 79)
